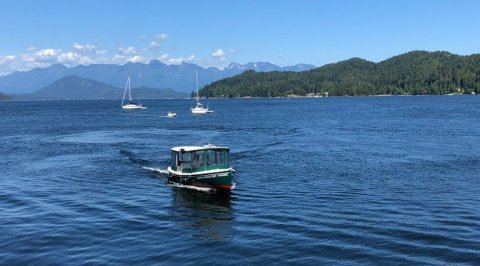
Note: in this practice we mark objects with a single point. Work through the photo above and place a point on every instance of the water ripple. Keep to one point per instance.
(336, 183)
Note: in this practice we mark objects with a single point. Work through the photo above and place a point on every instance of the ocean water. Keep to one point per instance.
(359, 180)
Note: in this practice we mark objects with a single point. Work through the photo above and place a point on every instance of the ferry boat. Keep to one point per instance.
(201, 166)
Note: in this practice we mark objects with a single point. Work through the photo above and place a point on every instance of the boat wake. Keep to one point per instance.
(174, 184)
(133, 158)
(156, 170)
(203, 189)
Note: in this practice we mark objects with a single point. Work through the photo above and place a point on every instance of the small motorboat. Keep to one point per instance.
(171, 115)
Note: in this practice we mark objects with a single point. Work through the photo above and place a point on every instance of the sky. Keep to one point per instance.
(214, 33)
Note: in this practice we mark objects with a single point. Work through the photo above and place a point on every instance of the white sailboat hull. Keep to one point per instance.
(133, 106)
(199, 111)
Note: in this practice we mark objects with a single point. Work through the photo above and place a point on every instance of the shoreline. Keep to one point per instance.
(247, 97)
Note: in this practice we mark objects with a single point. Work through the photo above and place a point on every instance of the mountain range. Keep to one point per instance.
(77, 88)
(155, 74)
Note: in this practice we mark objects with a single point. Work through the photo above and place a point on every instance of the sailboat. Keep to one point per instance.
(131, 104)
(199, 109)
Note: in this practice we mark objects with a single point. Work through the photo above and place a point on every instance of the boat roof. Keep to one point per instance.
(199, 148)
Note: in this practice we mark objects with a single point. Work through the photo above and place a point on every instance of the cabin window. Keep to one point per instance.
(211, 158)
(226, 158)
(221, 157)
(197, 159)
(185, 159)
(214, 157)
(185, 156)
(173, 160)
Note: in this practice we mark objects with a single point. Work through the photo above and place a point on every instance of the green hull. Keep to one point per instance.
(222, 180)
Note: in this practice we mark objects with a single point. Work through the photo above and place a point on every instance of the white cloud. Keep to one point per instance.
(29, 61)
(137, 59)
(35, 57)
(72, 58)
(161, 37)
(83, 49)
(101, 51)
(47, 54)
(67, 57)
(175, 61)
(128, 54)
(157, 40)
(190, 58)
(127, 51)
(219, 54)
(27, 58)
(122, 59)
(6, 59)
(165, 58)
(154, 45)
(119, 59)
(7, 64)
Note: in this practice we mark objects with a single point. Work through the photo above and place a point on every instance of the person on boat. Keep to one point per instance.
(197, 160)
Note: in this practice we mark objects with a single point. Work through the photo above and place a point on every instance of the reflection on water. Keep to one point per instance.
(209, 215)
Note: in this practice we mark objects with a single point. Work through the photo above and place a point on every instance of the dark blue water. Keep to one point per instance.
(364, 180)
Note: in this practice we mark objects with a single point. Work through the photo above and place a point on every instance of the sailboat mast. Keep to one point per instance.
(129, 90)
(196, 82)
(125, 92)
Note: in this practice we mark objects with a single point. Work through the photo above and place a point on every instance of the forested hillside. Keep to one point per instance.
(413, 73)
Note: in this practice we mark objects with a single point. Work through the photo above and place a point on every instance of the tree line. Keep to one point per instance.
(413, 73)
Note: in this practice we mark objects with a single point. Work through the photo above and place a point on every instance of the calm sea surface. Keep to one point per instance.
(361, 180)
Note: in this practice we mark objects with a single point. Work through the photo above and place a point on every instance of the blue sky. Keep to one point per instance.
(215, 33)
